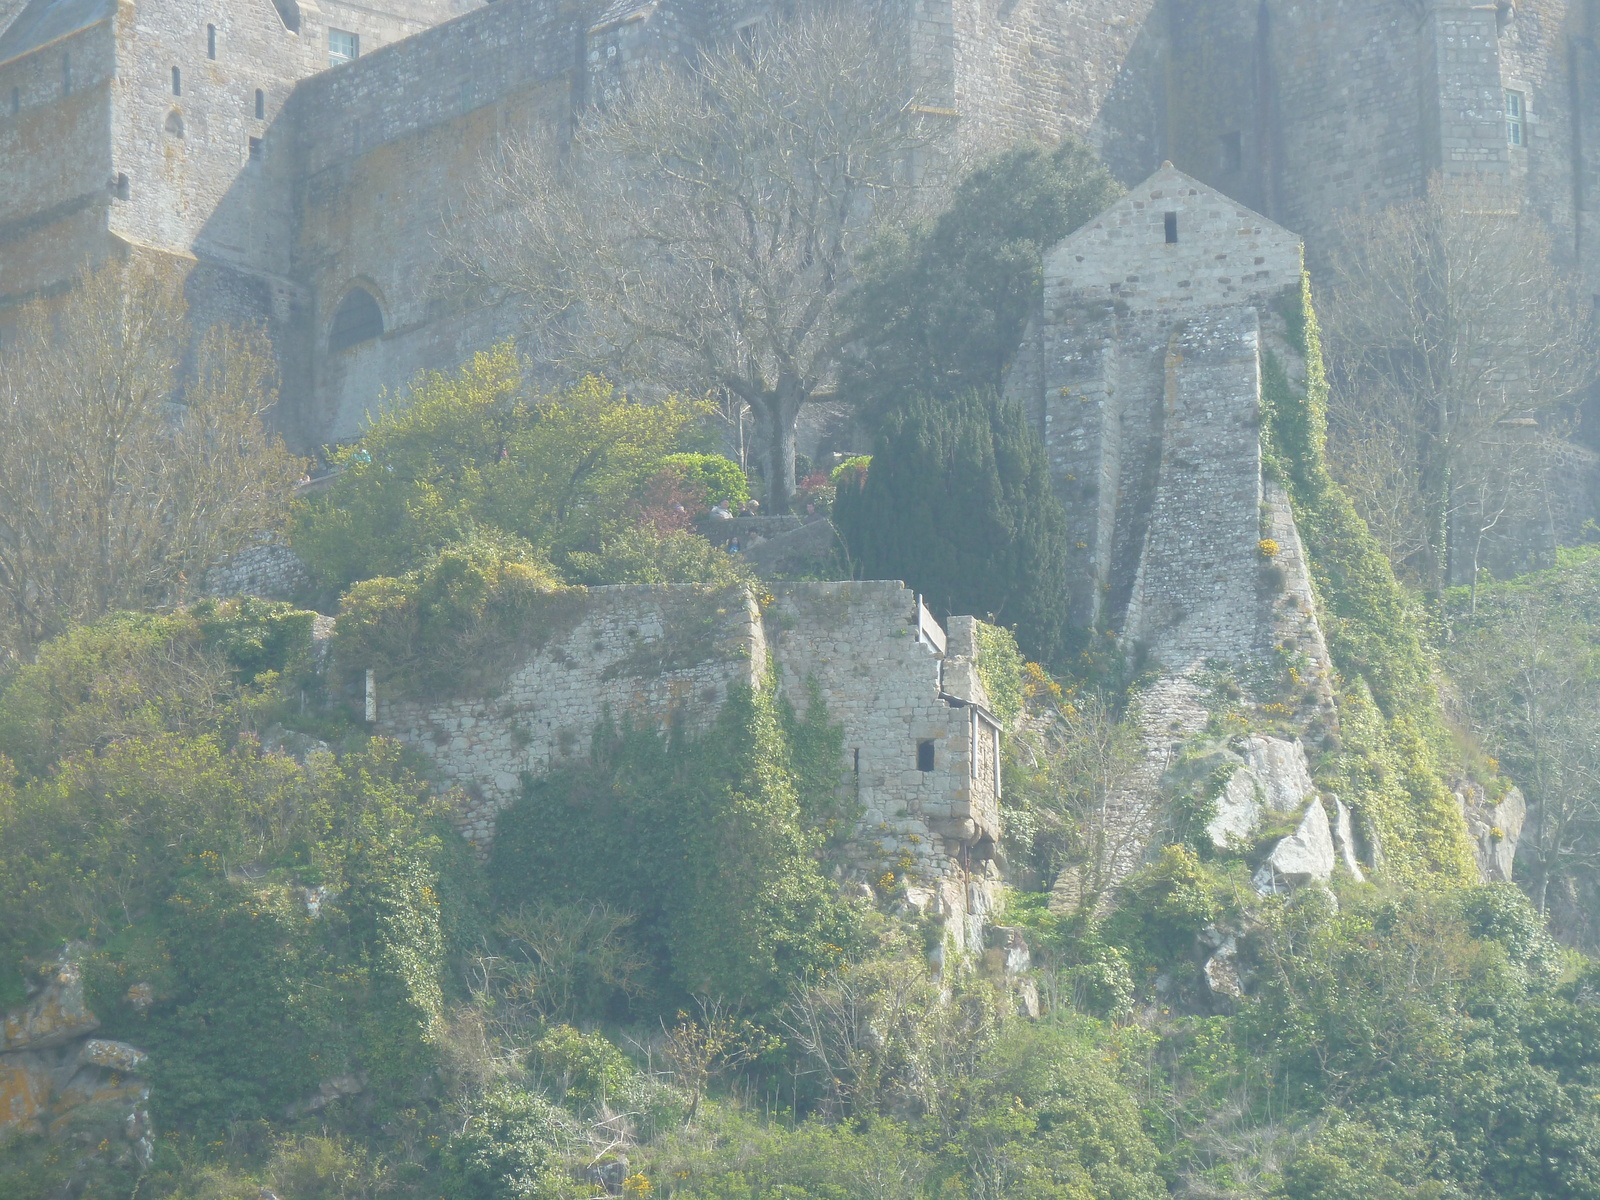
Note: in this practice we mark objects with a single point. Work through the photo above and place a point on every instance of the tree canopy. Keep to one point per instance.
(940, 306)
(473, 451)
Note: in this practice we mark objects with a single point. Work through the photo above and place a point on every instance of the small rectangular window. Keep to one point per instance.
(177, 82)
(261, 105)
(925, 756)
(343, 46)
(211, 41)
(122, 187)
(255, 149)
(1516, 119)
(1172, 228)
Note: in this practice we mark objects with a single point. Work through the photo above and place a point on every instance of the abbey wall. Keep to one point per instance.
(289, 181)
(920, 769)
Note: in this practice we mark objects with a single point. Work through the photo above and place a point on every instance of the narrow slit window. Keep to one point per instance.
(1516, 119)
(211, 41)
(1171, 223)
(255, 149)
(858, 762)
(123, 189)
(925, 756)
(261, 105)
(177, 82)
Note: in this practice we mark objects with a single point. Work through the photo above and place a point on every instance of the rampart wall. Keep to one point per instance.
(1300, 110)
(921, 752)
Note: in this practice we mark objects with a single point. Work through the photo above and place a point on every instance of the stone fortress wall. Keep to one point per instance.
(921, 750)
(1298, 110)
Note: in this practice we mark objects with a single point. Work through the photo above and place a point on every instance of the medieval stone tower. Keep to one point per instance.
(301, 154)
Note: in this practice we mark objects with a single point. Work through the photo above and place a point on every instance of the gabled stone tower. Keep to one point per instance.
(1143, 372)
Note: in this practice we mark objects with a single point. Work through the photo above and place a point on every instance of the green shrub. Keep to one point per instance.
(711, 478)
(513, 1147)
(711, 841)
(214, 668)
(583, 1068)
(471, 453)
(451, 625)
(641, 555)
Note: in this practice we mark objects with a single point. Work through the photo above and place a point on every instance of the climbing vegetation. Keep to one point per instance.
(1392, 728)
(710, 840)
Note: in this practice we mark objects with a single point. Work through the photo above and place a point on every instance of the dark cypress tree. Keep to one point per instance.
(957, 502)
(940, 308)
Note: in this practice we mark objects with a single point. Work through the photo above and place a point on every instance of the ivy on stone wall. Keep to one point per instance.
(1391, 724)
(713, 842)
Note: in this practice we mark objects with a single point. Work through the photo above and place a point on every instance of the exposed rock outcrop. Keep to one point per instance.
(1495, 829)
(1273, 776)
(1306, 856)
(57, 1079)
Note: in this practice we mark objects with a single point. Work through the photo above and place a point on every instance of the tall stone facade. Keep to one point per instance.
(1143, 374)
(921, 747)
(291, 184)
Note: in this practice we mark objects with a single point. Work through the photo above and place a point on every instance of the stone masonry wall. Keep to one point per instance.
(56, 176)
(668, 656)
(640, 654)
(855, 642)
(1195, 595)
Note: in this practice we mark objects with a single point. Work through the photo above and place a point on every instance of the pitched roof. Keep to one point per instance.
(46, 21)
(1173, 240)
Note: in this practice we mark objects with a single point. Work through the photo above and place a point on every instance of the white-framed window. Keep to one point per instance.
(1516, 119)
(342, 46)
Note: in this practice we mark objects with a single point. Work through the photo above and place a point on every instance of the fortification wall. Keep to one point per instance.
(652, 656)
(55, 160)
(929, 810)
(921, 752)
(414, 124)
(1041, 68)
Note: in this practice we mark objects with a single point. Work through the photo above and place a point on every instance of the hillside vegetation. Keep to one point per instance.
(659, 979)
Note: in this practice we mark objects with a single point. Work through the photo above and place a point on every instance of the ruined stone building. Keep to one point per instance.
(921, 765)
(302, 153)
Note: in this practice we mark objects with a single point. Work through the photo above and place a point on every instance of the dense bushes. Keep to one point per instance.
(940, 308)
(711, 841)
(472, 453)
(1391, 724)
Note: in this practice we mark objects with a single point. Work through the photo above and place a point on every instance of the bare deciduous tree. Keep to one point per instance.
(119, 484)
(1448, 317)
(699, 234)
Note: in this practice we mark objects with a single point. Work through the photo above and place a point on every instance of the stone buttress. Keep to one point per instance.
(1143, 374)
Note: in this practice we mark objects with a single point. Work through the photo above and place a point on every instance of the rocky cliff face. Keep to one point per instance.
(57, 1078)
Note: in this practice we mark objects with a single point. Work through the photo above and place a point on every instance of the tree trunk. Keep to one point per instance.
(776, 429)
(1436, 508)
